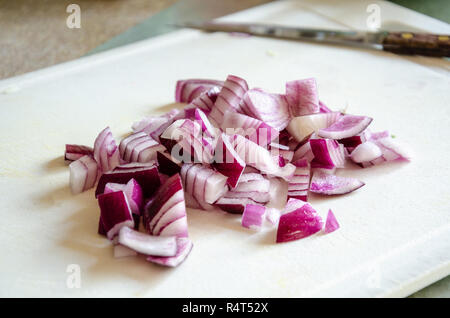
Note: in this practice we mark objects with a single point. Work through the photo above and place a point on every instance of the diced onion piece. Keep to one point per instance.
(304, 152)
(269, 108)
(190, 144)
(282, 152)
(155, 125)
(366, 151)
(391, 150)
(165, 214)
(83, 174)
(146, 175)
(299, 184)
(227, 161)
(253, 188)
(323, 108)
(278, 193)
(302, 97)
(329, 184)
(273, 215)
(346, 126)
(148, 244)
(75, 152)
(207, 128)
(167, 164)
(234, 205)
(229, 97)
(328, 153)
(205, 101)
(260, 158)
(302, 127)
(115, 213)
(133, 192)
(187, 90)
(331, 224)
(139, 147)
(252, 128)
(106, 152)
(184, 247)
(253, 216)
(203, 183)
(300, 220)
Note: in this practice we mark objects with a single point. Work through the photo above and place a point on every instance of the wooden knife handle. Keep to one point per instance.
(417, 44)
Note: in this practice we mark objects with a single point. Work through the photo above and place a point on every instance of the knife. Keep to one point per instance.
(408, 43)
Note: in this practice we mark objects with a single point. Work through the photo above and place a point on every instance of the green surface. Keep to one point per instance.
(439, 9)
(159, 24)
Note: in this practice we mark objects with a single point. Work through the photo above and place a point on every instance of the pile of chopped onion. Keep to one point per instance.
(242, 150)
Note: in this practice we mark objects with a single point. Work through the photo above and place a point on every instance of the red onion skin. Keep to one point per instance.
(114, 210)
(166, 165)
(331, 223)
(298, 224)
(148, 179)
(198, 86)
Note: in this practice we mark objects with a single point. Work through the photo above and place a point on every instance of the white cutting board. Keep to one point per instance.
(395, 232)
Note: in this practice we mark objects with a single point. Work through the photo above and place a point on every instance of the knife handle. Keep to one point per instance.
(417, 44)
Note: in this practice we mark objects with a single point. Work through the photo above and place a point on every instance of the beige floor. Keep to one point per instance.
(34, 34)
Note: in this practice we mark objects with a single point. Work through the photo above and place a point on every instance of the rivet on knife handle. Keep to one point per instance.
(417, 44)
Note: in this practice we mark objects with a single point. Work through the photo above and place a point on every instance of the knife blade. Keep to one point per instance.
(397, 42)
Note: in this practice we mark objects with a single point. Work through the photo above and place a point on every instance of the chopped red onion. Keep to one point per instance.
(229, 97)
(187, 90)
(227, 161)
(253, 216)
(304, 152)
(139, 147)
(203, 183)
(184, 247)
(133, 193)
(165, 214)
(303, 126)
(346, 126)
(260, 158)
(281, 151)
(329, 184)
(390, 149)
(323, 108)
(331, 224)
(189, 144)
(148, 244)
(75, 152)
(155, 125)
(106, 152)
(83, 174)
(299, 184)
(167, 164)
(115, 213)
(252, 128)
(207, 128)
(146, 176)
(328, 153)
(253, 188)
(302, 97)
(300, 220)
(269, 108)
(366, 151)
(205, 101)
(273, 215)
